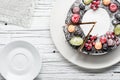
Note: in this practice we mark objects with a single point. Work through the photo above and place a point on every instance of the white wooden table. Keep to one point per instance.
(54, 66)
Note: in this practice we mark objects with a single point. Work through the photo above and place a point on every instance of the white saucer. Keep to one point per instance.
(85, 61)
(20, 60)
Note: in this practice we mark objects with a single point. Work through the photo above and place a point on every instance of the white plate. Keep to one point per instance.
(85, 61)
(20, 60)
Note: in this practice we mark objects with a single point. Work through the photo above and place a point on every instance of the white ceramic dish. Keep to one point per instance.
(20, 60)
(85, 61)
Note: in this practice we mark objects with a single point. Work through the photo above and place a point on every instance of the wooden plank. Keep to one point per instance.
(54, 67)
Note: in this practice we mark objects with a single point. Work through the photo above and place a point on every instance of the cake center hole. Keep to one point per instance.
(100, 16)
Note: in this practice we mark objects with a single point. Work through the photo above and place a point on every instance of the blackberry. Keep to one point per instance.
(82, 7)
(117, 16)
(105, 47)
(114, 22)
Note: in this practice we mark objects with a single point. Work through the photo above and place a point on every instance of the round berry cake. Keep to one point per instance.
(93, 26)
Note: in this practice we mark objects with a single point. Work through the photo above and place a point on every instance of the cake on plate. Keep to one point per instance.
(93, 26)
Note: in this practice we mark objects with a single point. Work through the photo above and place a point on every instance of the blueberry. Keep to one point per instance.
(82, 7)
(117, 16)
(78, 31)
(114, 22)
(105, 47)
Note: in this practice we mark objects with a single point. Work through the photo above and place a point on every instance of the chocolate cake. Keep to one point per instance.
(92, 44)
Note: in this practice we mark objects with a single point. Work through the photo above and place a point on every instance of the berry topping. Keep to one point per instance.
(89, 43)
(76, 41)
(89, 47)
(87, 2)
(97, 2)
(86, 44)
(98, 45)
(94, 2)
(106, 2)
(117, 16)
(110, 42)
(117, 29)
(103, 39)
(93, 43)
(95, 5)
(71, 28)
(82, 7)
(110, 35)
(105, 47)
(114, 22)
(75, 18)
(113, 7)
(118, 43)
(93, 38)
(76, 9)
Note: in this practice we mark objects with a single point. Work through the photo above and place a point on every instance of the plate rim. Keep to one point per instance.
(35, 48)
(69, 3)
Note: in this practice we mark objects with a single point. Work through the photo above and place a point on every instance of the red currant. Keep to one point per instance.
(97, 6)
(92, 38)
(107, 33)
(97, 2)
(93, 43)
(95, 37)
(103, 40)
(94, 8)
(89, 41)
(92, 5)
(89, 47)
(94, 2)
(86, 44)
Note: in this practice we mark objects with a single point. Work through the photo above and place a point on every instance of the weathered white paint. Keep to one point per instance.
(54, 67)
